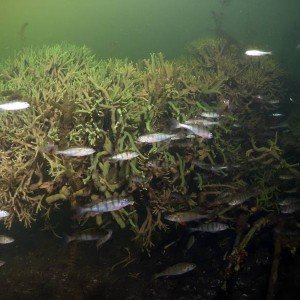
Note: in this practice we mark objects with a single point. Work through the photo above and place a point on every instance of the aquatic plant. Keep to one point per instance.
(106, 104)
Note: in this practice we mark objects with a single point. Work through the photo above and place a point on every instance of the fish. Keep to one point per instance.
(205, 123)
(298, 46)
(6, 239)
(105, 206)
(104, 238)
(257, 53)
(274, 101)
(291, 208)
(212, 168)
(190, 243)
(14, 105)
(196, 129)
(83, 236)
(124, 156)
(178, 269)
(184, 216)
(76, 152)
(240, 198)
(280, 126)
(155, 137)
(3, 214)
(210, 227)
(2, 263)
(276, 115)
(288, 201)
(210, 115)
(286, 177)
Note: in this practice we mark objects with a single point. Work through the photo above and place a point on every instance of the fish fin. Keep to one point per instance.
(174, 124)
(68, 239)
(182, 223)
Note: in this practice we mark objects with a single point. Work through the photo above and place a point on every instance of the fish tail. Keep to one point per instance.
(68, 239)
(79, 211)
(174, 124)
(155, 276)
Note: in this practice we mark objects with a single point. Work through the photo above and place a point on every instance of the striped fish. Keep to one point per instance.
(184, 216)
(83, 236)
(6, 239)
(124, 156)
(210, 227)
(196, 129)
(155, 137)
(105, 206)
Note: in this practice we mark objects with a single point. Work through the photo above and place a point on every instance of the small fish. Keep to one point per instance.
(2, 263)
(257, 53)
(184, 216)
(274, 101)
(291, 208)
(84, 236)
(196, 129)
(280, 126)
(205, 123)
(286, 177)
(105, 206)
(276, 115)
(289, 201)
(298, 46)
(178, 269)
(6, 239)
(190, 243)
(76, 152)
(124, 156)
(240, 198)
(3, 214)
(210, 227)
(210, 115)
(15, 105)
(104, 238)
(155, 137)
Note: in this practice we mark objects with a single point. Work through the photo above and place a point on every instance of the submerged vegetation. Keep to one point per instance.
(79, 101)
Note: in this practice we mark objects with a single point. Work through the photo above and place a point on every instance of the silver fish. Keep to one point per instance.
(76, 152)
(289, 201)
(240, 198)
(2, 263)
(276, 115)
(6, 239)
(3, 214)
(291, 208)
(105, 206)
(257, 53)
(210, 227)
(178, 269)
(15, 105)
(155, 137)
(203, 122)
(104, 238)
(84, 236)
(184, 216)
(124, 156)
(190, 243)
(210, 115)
(196, 129)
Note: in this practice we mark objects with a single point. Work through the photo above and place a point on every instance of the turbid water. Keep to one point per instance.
(135, 28)
(222, 197)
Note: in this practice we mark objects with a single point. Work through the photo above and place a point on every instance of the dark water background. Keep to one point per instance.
(39, 266)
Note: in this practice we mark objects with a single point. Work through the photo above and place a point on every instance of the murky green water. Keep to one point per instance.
(221, 194)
